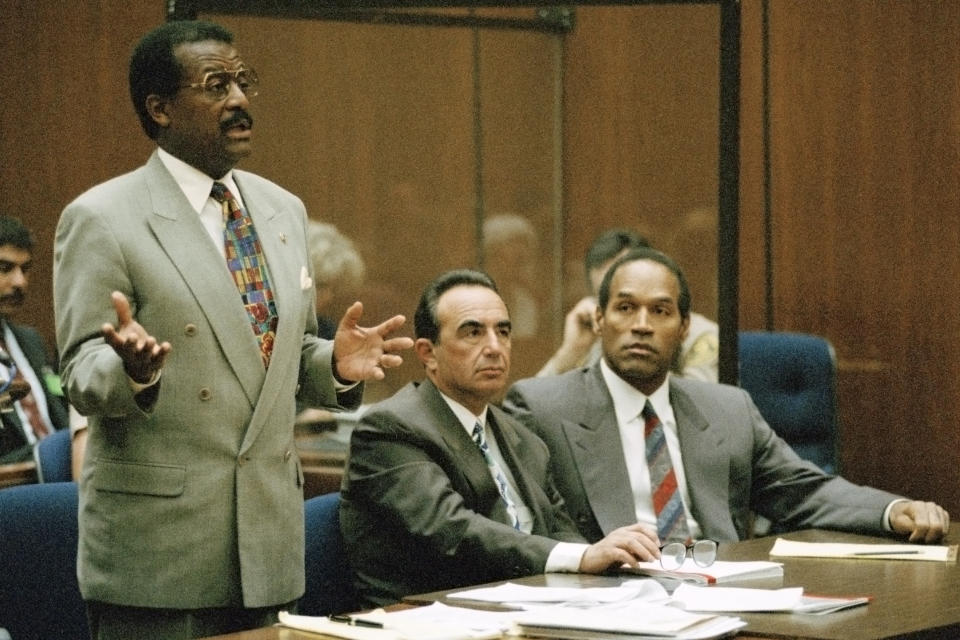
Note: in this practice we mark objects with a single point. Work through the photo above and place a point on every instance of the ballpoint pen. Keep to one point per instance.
(356, 622)
(886, 553)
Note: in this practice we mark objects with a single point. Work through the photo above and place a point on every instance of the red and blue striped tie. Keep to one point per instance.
(667, 503)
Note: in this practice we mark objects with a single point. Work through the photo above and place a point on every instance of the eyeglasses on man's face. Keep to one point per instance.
(703, 552)
(215, 85)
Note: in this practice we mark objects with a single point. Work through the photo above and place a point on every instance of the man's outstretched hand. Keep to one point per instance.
(142, 355)
(361, 353)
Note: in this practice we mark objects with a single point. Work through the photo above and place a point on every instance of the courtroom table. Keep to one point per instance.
(17, 473)
(911, 599)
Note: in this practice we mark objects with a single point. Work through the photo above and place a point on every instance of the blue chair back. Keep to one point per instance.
(329, 587)
(791, 378)
(52, 455)
(39, 595)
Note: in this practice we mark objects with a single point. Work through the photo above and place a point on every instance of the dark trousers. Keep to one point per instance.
(116, 622)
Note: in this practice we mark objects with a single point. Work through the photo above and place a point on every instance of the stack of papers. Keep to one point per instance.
(732, 599)
(794, 549)
(719, 571)
(637, 622)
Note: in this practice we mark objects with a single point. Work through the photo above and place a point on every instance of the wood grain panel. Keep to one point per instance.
(865, 150)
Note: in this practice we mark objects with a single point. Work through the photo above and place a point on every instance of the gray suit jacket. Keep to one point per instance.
(733, 461)
(193, 499)
(420, 511)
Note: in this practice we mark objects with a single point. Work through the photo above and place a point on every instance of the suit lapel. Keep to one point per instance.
(509, 441)
(469, 460)
(184, 239)
(594, 435)
(707, 473)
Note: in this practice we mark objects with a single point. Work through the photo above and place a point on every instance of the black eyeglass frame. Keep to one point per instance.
(703, 552)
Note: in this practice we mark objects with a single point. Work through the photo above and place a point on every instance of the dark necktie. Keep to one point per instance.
(667, 503)
(249, 269)
(497, 473)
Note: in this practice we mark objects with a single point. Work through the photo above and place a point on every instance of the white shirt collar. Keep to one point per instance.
(195, 184)
(628, 402)
(464, 415)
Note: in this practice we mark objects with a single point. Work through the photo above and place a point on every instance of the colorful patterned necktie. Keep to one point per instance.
(497, 474)
(667, 503)
(249, 269)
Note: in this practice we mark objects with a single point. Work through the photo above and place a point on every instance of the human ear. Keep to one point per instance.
(157, 109)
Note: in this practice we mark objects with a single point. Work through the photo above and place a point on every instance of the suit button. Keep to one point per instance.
(190, 330)
(240, 461)
(205, 394)
(286, 455)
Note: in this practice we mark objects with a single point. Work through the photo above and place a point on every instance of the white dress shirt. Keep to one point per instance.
(628, 403)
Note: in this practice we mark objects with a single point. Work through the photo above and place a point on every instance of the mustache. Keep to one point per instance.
(238, 117)
(15, 297)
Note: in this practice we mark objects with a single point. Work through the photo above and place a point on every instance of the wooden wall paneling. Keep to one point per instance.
(640, 134)
(66, 122)
(865, 158)
(753, 220)
(518, 112)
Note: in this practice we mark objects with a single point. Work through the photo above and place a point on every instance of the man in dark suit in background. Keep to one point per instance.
(442, 489)
(42, 408)
(726, 460)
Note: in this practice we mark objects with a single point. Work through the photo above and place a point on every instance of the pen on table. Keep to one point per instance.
(885, 553)
(356, 622)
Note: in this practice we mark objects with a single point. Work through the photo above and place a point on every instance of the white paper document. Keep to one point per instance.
(520, 595)
(434, 622)
(893, 551)
(740, 600)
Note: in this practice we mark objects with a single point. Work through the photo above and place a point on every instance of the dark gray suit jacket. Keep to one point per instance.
(420, 511)
(733, 461)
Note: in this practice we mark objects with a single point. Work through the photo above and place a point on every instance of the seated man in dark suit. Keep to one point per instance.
(442, 489)
(718, 459)
(39, 407)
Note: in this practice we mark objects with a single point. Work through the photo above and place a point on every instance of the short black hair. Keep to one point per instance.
(14, 233)
(154, 69)
(647, 253)
(425, 323)
(608, 244)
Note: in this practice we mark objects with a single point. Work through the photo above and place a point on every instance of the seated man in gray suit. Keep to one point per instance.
(442, 489)
(723, 460)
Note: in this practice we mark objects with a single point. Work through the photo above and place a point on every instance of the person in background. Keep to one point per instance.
(699, 355)
(442, 489)
(630, 442)
(338, 271)
(186, 322)
(36, 406)
(510, 250)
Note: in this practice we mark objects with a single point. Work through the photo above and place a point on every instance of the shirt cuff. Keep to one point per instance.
(886, 514)
(565, 557)
(140, 386)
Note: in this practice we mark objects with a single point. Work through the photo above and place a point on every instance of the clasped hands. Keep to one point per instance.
(359, 353)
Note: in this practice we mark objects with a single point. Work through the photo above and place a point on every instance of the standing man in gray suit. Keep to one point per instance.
(445, 490)
(188, 367)
(726, 461)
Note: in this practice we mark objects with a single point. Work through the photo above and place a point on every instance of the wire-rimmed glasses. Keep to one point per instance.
(216, 84)
(703, 552)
